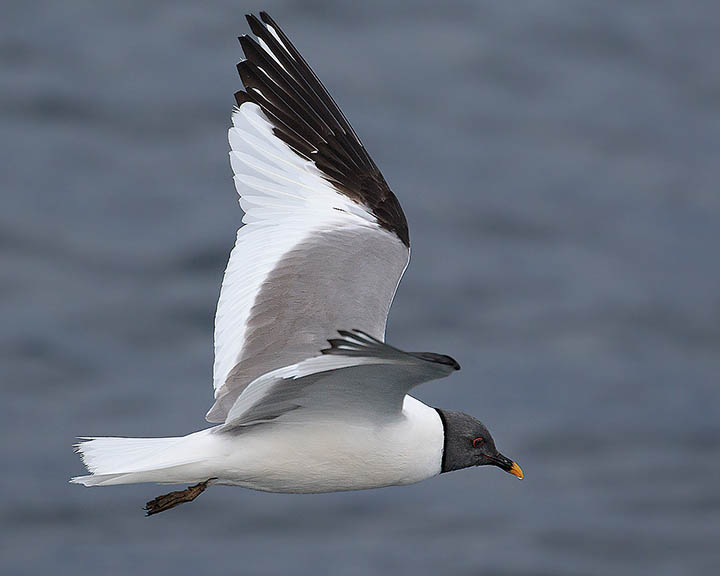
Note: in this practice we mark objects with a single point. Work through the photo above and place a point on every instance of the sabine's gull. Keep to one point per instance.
(308, 396)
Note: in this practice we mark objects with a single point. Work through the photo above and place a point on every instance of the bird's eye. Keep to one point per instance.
(477, 442)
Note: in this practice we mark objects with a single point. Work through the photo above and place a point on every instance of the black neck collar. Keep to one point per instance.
(443, 419)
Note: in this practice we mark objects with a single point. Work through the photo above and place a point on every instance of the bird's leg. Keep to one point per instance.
(167, 501)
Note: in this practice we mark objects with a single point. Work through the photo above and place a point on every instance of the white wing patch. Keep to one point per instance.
(272, 180)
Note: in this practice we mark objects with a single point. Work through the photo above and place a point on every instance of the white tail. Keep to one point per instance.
(133, 460)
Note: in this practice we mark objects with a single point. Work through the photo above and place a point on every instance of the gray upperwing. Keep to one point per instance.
(358, 374)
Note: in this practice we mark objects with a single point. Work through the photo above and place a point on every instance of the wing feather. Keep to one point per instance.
(324, 242)
(357, 374)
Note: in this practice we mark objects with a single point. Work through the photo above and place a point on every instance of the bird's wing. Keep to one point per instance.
(358, 374)
(324, 242)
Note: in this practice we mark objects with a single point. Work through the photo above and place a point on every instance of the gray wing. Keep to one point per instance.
(357, 374)
(325, 241)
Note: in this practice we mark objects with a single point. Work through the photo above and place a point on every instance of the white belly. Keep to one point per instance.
(312, 456)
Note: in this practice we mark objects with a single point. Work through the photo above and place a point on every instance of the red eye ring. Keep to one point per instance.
(477, 441)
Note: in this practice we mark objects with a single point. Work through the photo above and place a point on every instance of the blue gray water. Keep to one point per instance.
(559, 165)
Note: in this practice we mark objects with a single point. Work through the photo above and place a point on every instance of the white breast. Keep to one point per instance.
(304, 457)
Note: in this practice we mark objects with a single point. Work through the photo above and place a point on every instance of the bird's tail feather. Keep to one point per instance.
(113, 460)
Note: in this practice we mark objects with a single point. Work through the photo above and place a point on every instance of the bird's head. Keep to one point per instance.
(469, 443)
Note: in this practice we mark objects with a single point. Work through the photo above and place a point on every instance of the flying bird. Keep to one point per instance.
(308, 396)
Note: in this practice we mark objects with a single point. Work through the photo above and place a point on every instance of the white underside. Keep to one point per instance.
(292, 456)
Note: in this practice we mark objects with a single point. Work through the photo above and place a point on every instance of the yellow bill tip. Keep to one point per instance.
(515, 470)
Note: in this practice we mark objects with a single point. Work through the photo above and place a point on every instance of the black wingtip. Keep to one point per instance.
(307, 119)
(255, 24)
(358, 343)
(437, 359)
(367, 336)
(241, 97)
(244, 40)
(269, 21)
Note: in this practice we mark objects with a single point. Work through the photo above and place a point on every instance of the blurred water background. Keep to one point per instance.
(558, 163)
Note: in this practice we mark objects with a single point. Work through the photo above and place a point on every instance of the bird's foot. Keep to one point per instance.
(167, 501)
